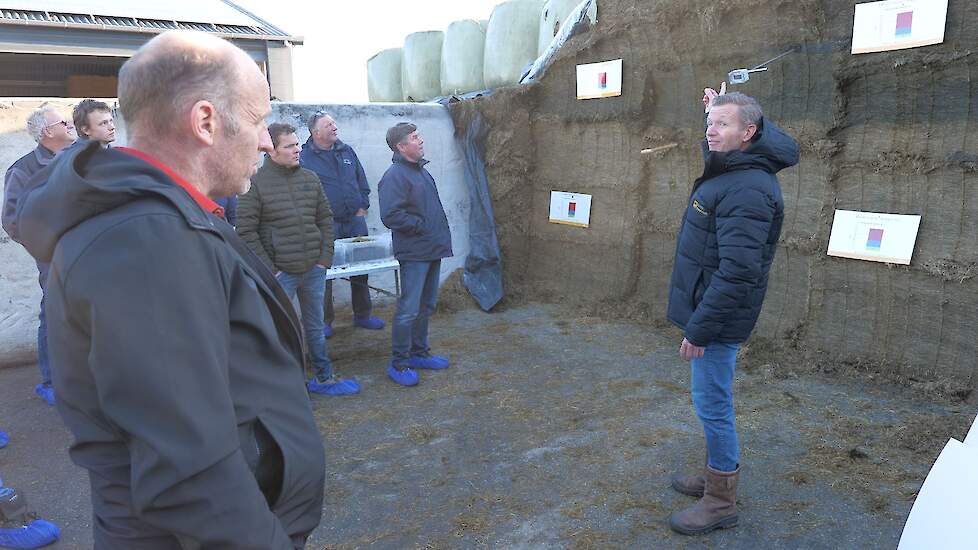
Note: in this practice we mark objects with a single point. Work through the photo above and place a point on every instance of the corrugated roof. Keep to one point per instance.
(220, 17)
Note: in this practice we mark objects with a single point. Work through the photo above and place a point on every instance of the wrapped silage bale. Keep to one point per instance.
(421, 66)
(462, 57)
(384, 77)
(553, 16)
(511, 41)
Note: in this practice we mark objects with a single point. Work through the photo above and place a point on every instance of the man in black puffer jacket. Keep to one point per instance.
(725, 247)
(287, 222)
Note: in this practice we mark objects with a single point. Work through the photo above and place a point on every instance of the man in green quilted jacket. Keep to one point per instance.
(287, 222)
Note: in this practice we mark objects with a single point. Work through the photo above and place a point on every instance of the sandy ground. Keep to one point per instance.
(556, 429)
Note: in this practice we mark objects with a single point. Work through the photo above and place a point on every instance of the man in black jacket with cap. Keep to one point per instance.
(180, 359)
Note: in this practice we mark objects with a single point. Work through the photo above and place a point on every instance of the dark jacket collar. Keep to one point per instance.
(43, 155)
(338, 147)
(271, 166)
(398, 158)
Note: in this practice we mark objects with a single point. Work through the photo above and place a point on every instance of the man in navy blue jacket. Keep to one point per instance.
(345, 184)
(411, 208)
(725, 247)
(53, 133)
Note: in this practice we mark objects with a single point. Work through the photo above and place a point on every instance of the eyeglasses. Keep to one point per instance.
(62, 122)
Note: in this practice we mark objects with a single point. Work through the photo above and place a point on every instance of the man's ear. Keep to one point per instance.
(203, 122)
(749, 132)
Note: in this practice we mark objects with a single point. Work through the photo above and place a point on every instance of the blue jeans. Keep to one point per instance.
(43, 363)
(359, 291)
(712, 388)
(419, 294)
(310, 286)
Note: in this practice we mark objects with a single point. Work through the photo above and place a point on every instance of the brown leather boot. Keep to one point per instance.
(689, 484)
(716, 510)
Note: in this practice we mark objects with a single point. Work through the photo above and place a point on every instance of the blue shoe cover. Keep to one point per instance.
(4, 439)
(45, 392)
(432, 362)
(371, 323)
(36, 534)
(327, 330)
(405, 377)
(343, 387)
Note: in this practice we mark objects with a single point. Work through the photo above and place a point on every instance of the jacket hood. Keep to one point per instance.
(772, 151)
(86, 181)
(338, 147)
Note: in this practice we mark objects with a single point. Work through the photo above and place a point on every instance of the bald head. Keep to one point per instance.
(176, 69)
(198, 104)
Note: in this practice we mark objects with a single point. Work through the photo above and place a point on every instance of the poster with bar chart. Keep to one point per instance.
(596, 80)
(898, 24)
(570, 208)
(872, 236)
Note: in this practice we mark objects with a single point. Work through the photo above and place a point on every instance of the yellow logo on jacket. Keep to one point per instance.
(699, 208)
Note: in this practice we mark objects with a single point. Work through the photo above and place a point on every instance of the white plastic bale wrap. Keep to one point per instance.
(421, 66)
(384, 77)
(462, 55)
(553, 16)
(511, 41)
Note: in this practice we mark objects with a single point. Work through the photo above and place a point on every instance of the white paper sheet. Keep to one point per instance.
(898, 24)
(596, 80)
(570, 208)
(873, 236)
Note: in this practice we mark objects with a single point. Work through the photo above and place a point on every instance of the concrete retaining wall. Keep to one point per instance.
(361, 126)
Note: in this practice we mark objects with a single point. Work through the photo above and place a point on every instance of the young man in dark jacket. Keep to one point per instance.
(93, 121)
(411, 208)
(345, 185)
(53, 133)
(286, 221)
(724, 250)
(179, 357)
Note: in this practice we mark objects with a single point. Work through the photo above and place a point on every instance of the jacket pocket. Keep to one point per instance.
(270, 469)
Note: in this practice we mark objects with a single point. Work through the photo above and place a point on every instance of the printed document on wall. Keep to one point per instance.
(596, 80)
(898, 24)
(570, 208)
(873, 236)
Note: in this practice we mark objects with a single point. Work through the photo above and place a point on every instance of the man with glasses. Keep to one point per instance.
(52, 132)
(345, 184)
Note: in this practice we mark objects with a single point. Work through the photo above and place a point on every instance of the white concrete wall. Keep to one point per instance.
(361, 126)
(364, 127)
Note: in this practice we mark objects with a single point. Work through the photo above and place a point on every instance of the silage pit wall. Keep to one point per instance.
(886, 132)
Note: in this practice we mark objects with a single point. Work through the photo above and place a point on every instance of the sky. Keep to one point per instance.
(341, 35)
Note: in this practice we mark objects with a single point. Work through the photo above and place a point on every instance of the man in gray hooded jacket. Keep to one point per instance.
(179, 357)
